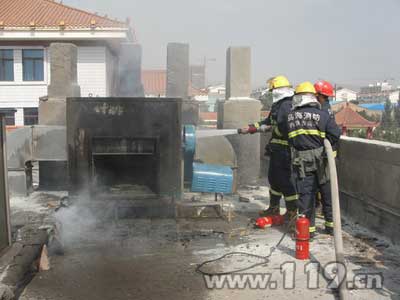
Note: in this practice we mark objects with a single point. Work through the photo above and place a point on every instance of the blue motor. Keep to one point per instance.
(190, 139)
(212, 179)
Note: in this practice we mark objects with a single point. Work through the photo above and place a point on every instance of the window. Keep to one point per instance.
(31, 116)
(10, 119)
(6, 65)
(33, 68)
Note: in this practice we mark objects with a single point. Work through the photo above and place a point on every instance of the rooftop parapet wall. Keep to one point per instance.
(369, 182)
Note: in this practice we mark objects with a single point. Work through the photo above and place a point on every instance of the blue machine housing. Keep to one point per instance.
(212, 178)
(189, 138)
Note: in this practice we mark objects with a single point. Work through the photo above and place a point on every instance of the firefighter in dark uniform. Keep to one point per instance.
(308, 126)
(325, 90)
(279, 173)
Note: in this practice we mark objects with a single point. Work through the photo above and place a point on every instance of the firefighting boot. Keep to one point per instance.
(290, 220)
(329, 230)
(271, 211)
(273, 206)
(312, 236)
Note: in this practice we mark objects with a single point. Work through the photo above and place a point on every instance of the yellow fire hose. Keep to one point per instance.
(337, 229)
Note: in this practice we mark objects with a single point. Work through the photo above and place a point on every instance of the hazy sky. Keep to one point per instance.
(347, 41)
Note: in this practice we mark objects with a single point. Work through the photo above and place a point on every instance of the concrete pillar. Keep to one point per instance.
(238, 72)
(178, 70)
(130, 71)
(238, 111)
(5, 226)
(63, 84)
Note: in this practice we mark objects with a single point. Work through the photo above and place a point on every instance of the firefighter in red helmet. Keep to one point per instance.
(324, 90)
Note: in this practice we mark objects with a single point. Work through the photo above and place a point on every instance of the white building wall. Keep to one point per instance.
(111, 73)
(18, 93)
(346, 95)
(93, 78)
(394, 96)
(92, 71)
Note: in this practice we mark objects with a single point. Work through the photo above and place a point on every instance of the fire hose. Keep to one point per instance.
(338, 239)
(337, 229)
(265, 259)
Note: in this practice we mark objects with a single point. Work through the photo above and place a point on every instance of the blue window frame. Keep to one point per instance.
(6, 65)
(33, 66)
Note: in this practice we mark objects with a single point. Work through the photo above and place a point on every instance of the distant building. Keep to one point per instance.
(208, 119)
(345, 94)
(348, 119)
(378, 93)
(198, 76)
(215, 93)
(339, 106)
(155, 85)
(26, 30)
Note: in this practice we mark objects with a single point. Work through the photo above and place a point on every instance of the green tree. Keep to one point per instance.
(397, 113)
(387, 119)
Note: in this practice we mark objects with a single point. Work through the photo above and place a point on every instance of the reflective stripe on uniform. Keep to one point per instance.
(335, 154)
(275, 192)
(280, 142)
(292, 197)
(307, 132)
(313, 229)
(329, 224)
(278, 133)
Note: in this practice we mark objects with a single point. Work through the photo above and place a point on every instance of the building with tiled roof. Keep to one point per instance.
(349, 119)
(45, 18)
(27, 27)
(155, 84)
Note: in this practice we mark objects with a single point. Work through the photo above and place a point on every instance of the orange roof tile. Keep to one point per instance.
(50, 14)
(209, 116)
(351, 119)
(154, 82)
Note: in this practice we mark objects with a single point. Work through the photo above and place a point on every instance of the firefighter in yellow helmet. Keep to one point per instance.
(279, 173)
(308, 126)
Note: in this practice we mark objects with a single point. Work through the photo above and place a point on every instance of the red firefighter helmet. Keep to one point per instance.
(324, 88)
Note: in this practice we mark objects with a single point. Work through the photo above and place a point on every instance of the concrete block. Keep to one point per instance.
(19, 145)
(64, 74)
(49, 143)
(130, 70)
(178, 70)
(53, 175)
(17, 185)
(238, 114)
(369, 176)
(52, 112)
(238, 72)
(63, 84)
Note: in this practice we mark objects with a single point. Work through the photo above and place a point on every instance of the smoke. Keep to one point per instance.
(85, 222)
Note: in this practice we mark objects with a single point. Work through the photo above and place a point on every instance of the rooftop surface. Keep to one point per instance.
(45, 14)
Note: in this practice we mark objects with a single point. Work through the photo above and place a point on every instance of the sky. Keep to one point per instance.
(349, 42)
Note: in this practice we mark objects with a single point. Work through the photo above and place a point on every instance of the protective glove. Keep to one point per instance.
(252, 129)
